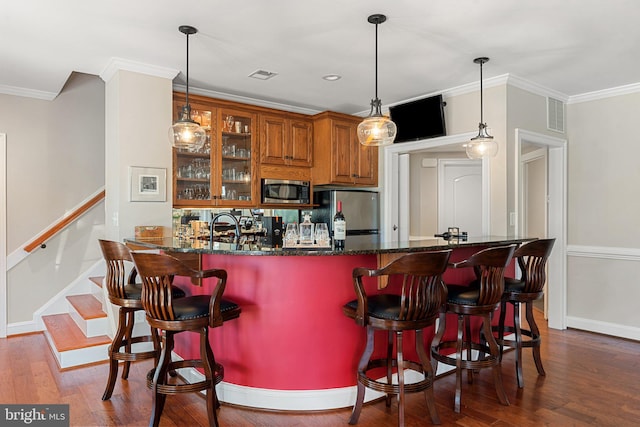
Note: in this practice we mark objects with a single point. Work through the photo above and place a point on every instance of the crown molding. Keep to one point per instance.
(28, 93)
(118, 64)
(605, 93)
(246, 100)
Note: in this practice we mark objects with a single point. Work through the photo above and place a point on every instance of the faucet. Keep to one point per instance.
(228, 215)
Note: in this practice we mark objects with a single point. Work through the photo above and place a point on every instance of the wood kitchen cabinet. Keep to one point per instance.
(339, 158)
(223, 172)
(286, 140)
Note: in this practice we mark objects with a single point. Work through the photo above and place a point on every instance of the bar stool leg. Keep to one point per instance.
(428, 373)
(535, 337)
(160, 378)
(208, 364)
(459, 346)
(389, 365)
(127, 338)
(495, 353)
(115, 348)
(362, 366)
(518, 333)
(400, 361)
(467, 334)
(503, 314)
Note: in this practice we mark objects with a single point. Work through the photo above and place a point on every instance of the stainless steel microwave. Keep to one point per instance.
(285, 192)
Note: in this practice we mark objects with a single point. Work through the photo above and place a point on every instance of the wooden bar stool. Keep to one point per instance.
(532, 259)
(172, 316)
(124, 292)
(417, 307)
(481, 301)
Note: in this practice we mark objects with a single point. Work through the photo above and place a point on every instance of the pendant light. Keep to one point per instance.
(376, 129)
(186, 134)
(482, 145)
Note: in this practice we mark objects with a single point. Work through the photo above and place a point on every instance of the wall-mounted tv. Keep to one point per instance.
(420, 119)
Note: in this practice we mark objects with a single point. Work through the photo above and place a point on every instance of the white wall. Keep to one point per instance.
(138, 111)
(603, 211)
(55, 160)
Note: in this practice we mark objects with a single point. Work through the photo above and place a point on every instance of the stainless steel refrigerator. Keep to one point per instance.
(361, 209)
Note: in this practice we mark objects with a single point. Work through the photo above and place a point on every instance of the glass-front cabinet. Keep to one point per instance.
(222, 173)
(235, 164)
(192, 169)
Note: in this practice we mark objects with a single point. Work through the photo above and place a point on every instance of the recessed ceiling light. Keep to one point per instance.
(332, 77)
(262, 74)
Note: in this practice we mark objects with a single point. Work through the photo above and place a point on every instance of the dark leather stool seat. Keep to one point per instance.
(467, 301)
(172, 316)
(532, 259)
(416, 308)
(125, 293)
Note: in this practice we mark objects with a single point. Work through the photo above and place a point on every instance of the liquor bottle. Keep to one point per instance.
(339, 228)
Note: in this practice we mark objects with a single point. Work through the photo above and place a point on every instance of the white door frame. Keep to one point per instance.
(557, 218)
(3, 235)
(390, 186)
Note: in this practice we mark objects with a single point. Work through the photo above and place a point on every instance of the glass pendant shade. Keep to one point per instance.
(186, 134)
(482, 145)
(376, 129)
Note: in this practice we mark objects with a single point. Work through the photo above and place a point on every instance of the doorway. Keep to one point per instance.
(556, 214)
(533, 163)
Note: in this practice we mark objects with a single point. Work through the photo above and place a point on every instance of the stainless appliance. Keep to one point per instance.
(361, 210)
(285, 191)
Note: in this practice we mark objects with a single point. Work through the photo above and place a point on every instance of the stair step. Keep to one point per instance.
(66, 335)
(88, 306)
(97, 280)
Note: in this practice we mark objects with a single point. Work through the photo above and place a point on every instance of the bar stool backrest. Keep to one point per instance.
(157, 272)
(489, 265)
(532, 259)
(423, 291)
(120, 269)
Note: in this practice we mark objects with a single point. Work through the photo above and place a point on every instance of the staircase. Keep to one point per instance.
(80, 336)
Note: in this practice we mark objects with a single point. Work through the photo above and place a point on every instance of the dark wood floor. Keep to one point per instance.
(591, 380)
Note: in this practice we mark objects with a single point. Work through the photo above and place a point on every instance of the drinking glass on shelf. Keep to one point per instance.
(322, 234)
(291, 234)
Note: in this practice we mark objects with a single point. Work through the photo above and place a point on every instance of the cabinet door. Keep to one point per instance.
(342, 167)
(301, 143)
(192, 170)
(235, 162)
(273, 140)
(366, 169)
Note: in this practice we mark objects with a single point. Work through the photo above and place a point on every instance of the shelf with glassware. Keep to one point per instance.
(237, 158)
(222, 173)
(192, 169)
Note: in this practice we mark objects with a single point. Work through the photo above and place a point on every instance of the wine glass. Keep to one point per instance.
(322, 234)
(291, 234)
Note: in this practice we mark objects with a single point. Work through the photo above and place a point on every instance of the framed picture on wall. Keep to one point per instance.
(147, 184)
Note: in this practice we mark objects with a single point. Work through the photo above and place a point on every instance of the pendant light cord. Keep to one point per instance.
(187, 92)
(481, 103)
(376, 61)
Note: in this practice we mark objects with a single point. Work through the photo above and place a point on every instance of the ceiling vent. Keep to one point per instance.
(262, 74)
(555, 115)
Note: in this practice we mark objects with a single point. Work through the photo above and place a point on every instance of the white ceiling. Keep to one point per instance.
(569, 46)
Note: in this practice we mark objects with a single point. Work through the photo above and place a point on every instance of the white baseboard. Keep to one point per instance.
(294, 400)
(607, 328)
(19, 328)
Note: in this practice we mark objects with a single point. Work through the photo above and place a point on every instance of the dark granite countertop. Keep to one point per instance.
(205, 247)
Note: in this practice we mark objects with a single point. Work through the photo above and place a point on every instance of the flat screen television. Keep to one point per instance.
(420, 119)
